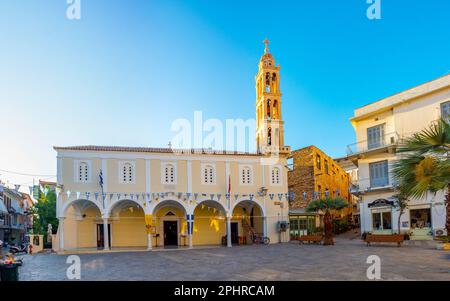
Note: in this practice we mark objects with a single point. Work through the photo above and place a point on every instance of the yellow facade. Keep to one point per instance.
(156, 197)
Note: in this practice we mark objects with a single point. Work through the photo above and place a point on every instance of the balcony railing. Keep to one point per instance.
(385, 140)
(367, 185)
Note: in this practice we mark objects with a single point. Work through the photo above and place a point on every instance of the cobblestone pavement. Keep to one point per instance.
(346, 260)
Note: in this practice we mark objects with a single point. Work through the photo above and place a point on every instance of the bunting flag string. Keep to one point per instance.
(186, 196)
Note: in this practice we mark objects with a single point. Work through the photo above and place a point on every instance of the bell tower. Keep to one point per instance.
(269, 122)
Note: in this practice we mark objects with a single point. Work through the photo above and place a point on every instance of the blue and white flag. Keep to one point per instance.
(88, 194)
(100, 179)
(251, 195)
(280, 196)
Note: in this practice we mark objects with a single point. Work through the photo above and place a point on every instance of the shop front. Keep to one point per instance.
(421, 224)
(381, 214)
(302, 224)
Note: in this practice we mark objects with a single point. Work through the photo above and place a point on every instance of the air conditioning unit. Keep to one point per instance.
(440, 232)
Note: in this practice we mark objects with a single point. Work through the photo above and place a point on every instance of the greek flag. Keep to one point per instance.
(100, 179)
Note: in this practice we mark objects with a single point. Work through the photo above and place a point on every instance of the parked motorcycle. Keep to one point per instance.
(23, 248)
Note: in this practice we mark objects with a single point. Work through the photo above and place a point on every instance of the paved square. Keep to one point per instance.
(344, 261)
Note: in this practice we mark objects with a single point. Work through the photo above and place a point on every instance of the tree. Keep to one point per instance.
(425, 164)
(401, 202)
(44, 213)
(326, 205)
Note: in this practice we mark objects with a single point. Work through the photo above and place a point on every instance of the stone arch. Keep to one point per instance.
(248, 201)
(79, 206)
(121, 202)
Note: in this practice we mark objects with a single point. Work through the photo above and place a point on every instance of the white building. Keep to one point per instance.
(379, 126)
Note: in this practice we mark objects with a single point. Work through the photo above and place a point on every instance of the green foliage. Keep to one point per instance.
(326, 204)
(44, 213)
(425, 165)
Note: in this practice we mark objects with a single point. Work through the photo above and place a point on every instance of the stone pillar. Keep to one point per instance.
(105, 234)
(61, 233)
(229, 244)
(265, 226)
(149, 242)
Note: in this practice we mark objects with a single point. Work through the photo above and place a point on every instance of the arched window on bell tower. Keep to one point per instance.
(269, 109)
(269, 136)
(267, 90)
(274, 83)
(275, 110)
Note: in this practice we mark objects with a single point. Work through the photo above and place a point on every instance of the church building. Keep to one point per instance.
(115, 198)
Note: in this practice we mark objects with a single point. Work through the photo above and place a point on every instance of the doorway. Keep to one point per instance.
(234, 233)
(170, 233)
(420, 220)
(101, 237)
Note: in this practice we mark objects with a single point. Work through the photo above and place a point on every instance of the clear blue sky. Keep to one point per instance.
(127, 69)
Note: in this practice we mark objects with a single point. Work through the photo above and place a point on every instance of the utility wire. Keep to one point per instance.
(25, 174)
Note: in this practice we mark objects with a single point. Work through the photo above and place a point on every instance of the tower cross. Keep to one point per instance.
(266, 42)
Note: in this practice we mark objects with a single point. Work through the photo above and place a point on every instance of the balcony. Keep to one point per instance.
(373, 145)
(366, 185)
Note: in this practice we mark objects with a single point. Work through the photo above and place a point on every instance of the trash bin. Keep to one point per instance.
(9, 272)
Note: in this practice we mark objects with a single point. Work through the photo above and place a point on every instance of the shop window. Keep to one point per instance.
(382, 221)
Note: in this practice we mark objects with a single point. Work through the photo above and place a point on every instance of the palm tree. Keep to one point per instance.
(425, 164)
(327, 205)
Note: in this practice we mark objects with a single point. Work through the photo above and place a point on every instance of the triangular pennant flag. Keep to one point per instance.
(118, 196)
(111, 195)
(88, 194)
(137, 196)
(304, 195)
(211, 196)
(218, 197)
(104, 196)
(188, 195)
(286, 195)
(196, 196)
(96, 195)
(131, 196)
(315, 194)
(236, 196)
(227, 196)
(271, 195)
(68, 193)
(180, 194)
(280, 196)
(78, 194)
(148, 197)
(203, 194)
(251, 196)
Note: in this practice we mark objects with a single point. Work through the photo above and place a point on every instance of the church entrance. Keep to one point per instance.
(170, 233)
